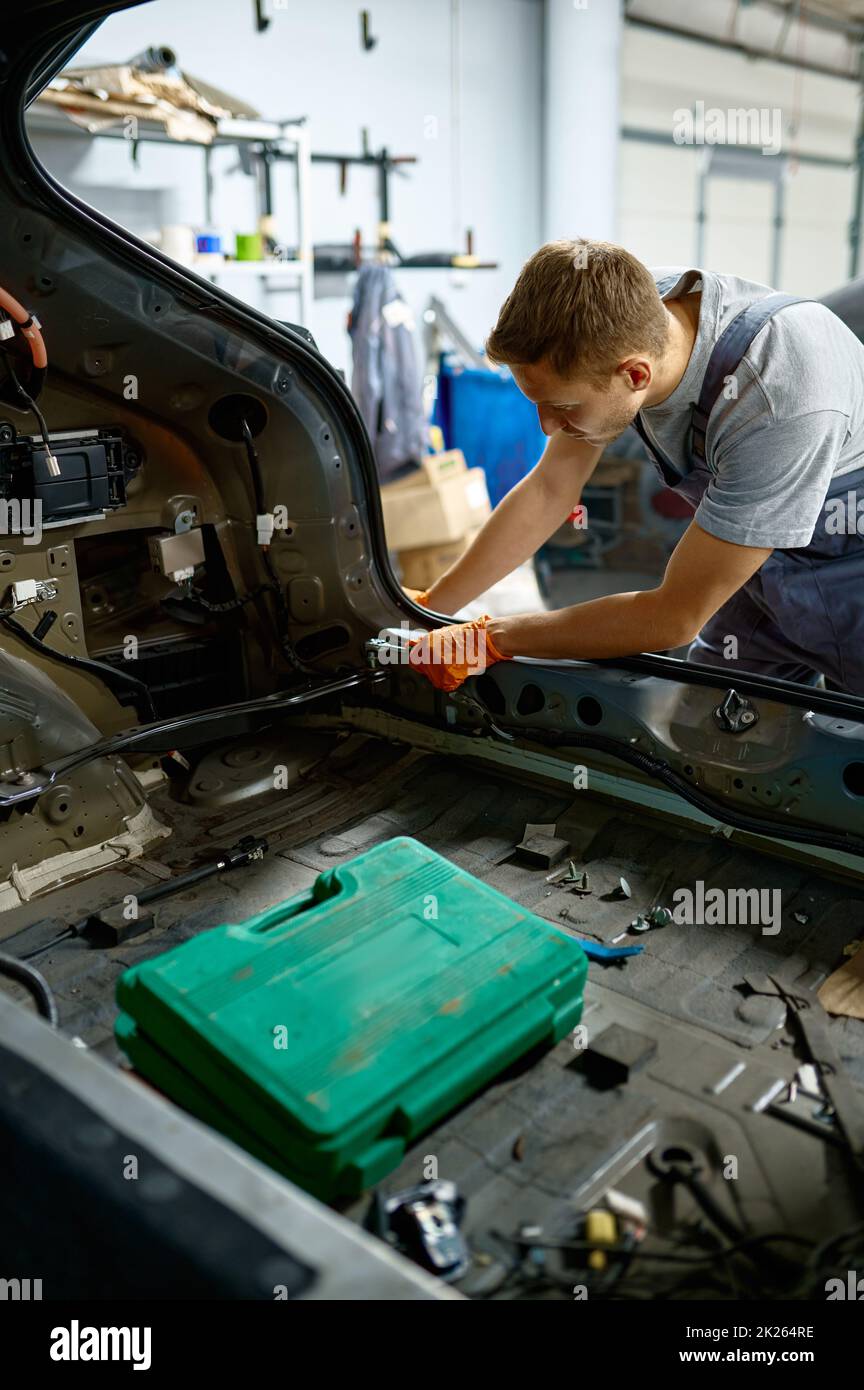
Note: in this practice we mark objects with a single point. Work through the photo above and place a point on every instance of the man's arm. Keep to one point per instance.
(702, 573)
(519, 525)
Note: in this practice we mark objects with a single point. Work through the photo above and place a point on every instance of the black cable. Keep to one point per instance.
(282, 615)
(118, 682)
(254, 465)
(31, 980)
(108, 674)
(32, 406)
(661, 771)
(230, 605)
(704, 1199)
(66, 935)
(778, 1267)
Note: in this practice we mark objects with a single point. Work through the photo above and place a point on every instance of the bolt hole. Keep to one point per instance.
(531, 700)
(738, 783)
(589, 710)
(853, 778)
(79, 830)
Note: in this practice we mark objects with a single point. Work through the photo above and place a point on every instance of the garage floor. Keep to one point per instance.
(544, 1142)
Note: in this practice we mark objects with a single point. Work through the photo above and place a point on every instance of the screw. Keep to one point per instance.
(660, 916)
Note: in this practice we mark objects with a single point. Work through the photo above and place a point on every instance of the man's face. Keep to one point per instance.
(597, 413)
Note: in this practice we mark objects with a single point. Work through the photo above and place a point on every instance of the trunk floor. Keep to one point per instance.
(549, 1137)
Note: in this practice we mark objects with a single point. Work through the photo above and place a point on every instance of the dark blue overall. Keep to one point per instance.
(802, 613)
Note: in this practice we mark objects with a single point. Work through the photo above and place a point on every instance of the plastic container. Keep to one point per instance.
(334, 1028)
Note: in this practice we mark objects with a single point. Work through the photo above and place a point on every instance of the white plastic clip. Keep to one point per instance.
(265, 523)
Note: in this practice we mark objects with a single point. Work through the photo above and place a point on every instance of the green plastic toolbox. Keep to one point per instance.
(160, 1069)
(332, 1029)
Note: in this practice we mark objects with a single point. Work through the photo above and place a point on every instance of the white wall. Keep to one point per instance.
(310, 63)
(658, 190)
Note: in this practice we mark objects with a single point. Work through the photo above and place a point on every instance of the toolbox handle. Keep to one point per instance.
(328, 885)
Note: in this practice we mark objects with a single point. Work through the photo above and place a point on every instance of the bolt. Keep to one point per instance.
(660, 917)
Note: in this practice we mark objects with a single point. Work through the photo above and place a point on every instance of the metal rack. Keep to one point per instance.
(255, 140)
(261, 145)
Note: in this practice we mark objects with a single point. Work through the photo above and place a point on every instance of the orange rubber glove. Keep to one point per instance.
(448, 655)
(417, 596)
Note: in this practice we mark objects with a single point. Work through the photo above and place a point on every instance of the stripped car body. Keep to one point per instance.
(291, 657)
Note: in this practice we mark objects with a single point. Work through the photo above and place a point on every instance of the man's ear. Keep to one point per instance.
(637, 373)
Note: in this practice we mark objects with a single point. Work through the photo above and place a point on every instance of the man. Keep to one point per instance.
(765, 579)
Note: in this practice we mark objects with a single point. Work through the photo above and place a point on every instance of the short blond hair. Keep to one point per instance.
(581, 305)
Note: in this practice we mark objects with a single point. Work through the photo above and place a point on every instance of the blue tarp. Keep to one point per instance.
(486, 416)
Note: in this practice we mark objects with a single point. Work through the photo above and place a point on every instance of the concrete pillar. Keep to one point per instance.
(582, 56)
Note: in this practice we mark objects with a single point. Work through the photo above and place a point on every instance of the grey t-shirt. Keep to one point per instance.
(796, 422)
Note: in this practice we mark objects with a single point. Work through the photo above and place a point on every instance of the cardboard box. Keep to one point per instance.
(422, 565)
(434, 469)
(435, 512)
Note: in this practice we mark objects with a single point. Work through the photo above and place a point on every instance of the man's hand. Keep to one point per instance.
(702, 573)
(448, 655)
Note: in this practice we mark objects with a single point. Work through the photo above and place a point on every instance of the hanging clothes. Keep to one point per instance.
(385, 382)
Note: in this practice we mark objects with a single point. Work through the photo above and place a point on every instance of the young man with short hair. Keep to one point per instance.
(752, 407)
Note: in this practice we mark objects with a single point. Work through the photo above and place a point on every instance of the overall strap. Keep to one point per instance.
(670, 473)
(725, 360)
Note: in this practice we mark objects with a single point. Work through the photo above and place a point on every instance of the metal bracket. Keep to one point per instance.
(736, 714)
